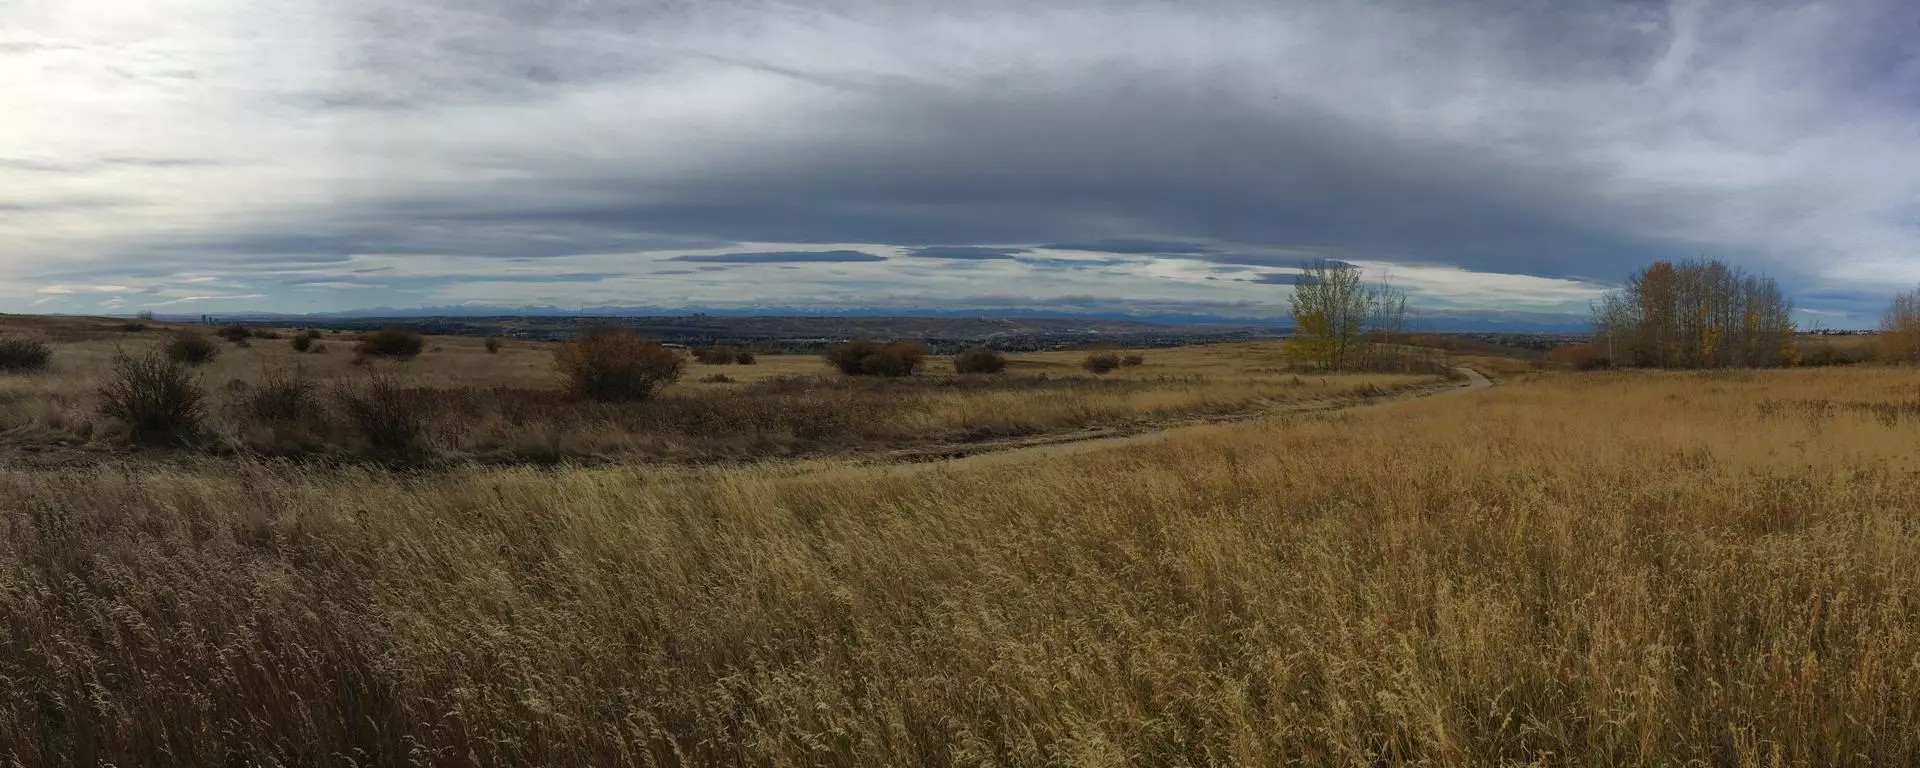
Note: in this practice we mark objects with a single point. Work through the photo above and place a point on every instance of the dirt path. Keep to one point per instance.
(985, 454)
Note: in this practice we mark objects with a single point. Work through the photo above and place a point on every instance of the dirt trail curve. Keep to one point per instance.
(1080, 442)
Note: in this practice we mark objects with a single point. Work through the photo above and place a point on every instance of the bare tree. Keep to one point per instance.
(1899, 339)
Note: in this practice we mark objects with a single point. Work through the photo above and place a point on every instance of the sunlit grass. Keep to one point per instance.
(1613, 569)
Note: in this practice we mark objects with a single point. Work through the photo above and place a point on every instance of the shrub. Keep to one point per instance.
(191, 348)
(24, 355)
(283, 395)
(866, 357)
(156, 397)
(262, 333)
(493, 345)
(391, 420)
(392, 341)
(744, 357)
(718, 378)
(1827, 353)
(133, 326)
(235, 333)
(311, 333)
(979, 360)
(717, 355)
(319, 348)
(1131, 360)
(613, 364)
(1101, 362)
(1580, 357)
(302, 343)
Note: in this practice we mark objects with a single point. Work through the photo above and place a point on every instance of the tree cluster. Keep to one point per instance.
(1696, 314)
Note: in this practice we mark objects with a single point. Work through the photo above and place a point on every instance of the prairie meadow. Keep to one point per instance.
(1600, 569)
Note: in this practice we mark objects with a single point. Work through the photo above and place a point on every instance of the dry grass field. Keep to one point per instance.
(1569, 569)
(509, 407)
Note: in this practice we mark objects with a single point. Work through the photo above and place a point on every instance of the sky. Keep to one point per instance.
(209, 156)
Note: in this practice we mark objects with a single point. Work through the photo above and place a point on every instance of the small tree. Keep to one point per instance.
(493, 345)
(1329, 308)
(614, 364)
(1899, 339)
(979, 360)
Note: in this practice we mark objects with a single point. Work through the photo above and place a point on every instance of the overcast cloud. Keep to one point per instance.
(300, 155)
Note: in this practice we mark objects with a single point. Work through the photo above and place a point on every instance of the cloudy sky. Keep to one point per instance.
(318, 155)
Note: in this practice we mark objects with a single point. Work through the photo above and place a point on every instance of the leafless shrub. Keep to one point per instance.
(979, 360)
(157, 398)
(22, 355)
(866, 357)
(391, 342)
(190, 347)
(612, 364)
(1101, 362)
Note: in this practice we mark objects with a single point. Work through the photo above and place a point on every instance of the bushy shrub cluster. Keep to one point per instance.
(612, 364)
(392, 341)
(156, 397)
(866, 357)
(1101, 362)
(979, 360)
(19, 355)
(190, 347)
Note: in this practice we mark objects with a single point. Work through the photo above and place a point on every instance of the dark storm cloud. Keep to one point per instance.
(1135, 246)
(1559, 140)
(1047, 262)
(1280, 278)
(779, 257)
(971, 253)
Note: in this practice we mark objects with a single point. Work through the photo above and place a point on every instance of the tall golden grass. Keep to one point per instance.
(1611, 569)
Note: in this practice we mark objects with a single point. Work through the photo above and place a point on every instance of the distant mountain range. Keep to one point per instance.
(1464, 321)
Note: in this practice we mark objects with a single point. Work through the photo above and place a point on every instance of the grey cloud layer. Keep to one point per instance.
(1557, 140)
